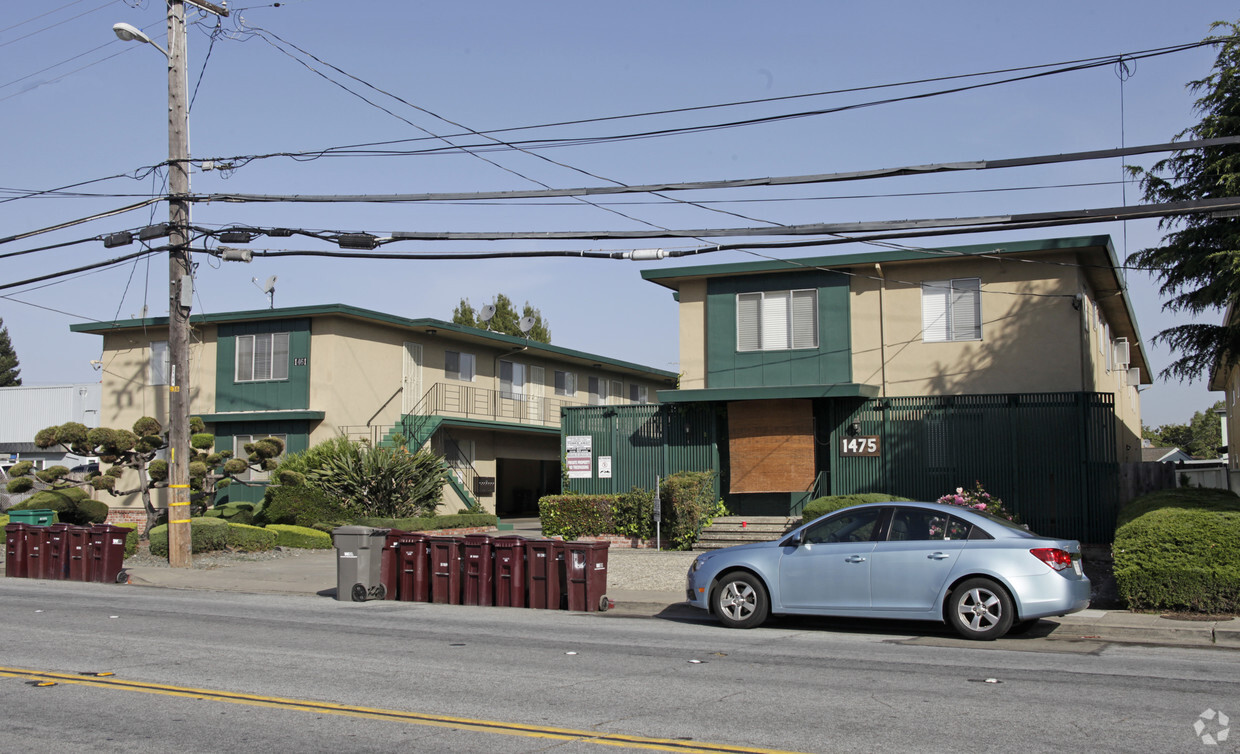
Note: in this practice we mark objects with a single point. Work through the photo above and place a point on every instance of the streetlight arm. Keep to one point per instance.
(130, 33)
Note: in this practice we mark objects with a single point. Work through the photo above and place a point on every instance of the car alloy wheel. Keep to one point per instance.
(740, 601)
(981, 609)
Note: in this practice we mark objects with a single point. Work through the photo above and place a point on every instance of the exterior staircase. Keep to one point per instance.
(726, 531)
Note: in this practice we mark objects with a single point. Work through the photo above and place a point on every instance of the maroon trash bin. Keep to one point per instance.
(445, 562)
(36, 543)
(508, 559)
(55, 556)
(77, 552)
(543, 561)
(389, 564)
(414, 581)
(478, 570)
(16, 565)
(585, 575)
(107, 552)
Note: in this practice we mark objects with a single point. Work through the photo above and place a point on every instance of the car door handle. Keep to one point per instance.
(854, 559)
(938, 556)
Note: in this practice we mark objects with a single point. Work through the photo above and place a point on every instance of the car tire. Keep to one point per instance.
(740, 600)
(980, 609)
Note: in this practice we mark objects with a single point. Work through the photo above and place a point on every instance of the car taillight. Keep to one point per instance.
(1053, 557)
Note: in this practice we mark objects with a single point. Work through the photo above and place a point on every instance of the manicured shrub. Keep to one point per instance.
(1180, 550)
(819, 507)
(431, 523)
(233, 513)
(206, 535)
(689, 503)
(300, 506)
(300, 537)
(72, 505)
(573, 516)
(246, 538)
(4, 519)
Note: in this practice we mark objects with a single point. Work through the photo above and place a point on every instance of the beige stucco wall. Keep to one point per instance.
(692, 310)
(1031, 336)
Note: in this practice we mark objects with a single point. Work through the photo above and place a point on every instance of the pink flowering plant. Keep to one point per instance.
(979, 500)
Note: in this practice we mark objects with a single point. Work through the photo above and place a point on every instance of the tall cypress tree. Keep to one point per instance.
(9, 373)
(1199, 260)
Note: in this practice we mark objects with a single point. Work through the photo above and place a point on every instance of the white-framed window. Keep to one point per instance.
(512, 380)
(458, 366)
(951, 310)
(251, 474)
(158, 372)
(598, 391)
(777, 320)
(262, 357)
(639, 393)
(565, 383)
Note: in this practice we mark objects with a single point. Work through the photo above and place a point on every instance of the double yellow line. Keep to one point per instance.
(108, 681)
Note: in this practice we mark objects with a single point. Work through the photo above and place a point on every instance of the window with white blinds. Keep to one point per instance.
(262, 357)
(458, 366)
(951, 310)
(776, 320)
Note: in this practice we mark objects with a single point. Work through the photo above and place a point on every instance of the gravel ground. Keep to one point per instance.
(626, 568)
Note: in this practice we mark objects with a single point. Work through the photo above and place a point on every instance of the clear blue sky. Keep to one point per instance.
(78, 105)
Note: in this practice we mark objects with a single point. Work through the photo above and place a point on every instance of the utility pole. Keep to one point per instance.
(180, 284)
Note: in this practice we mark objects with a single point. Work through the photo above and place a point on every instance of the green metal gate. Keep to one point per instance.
(644, 441)
(1050, 457)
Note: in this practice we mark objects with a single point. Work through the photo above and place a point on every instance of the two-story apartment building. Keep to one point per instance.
(490, 403)
(918, 371)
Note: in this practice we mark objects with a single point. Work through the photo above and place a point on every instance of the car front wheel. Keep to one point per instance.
(980, 609)
(740, 601)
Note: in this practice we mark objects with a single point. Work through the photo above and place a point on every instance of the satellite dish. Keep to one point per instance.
(486, 312)
(526, 324)
(269, 287)
(270, 284)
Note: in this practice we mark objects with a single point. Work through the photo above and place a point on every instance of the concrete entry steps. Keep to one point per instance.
(726, 531)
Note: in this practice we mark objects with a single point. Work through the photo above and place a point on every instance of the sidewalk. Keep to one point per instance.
(313, 573)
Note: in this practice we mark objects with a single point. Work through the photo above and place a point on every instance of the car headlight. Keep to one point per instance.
(698, 562)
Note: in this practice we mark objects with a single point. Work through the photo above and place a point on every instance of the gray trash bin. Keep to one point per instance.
(359, 561)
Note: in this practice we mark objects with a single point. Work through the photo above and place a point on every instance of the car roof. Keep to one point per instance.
(987, 522)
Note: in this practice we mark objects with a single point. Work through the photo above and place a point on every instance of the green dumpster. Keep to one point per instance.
(38, 517)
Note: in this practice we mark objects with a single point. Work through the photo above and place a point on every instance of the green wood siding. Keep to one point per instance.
(830, 363)
(292, 393)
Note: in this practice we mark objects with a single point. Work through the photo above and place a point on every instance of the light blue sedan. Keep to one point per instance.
(914, 561)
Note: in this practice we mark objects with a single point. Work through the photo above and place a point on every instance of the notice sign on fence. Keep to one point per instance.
(579, 456)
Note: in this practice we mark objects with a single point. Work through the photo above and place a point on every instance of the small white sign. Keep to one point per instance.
(604, 467)
(579, 456)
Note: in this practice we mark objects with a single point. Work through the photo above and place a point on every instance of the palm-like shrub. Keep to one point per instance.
(381, 482)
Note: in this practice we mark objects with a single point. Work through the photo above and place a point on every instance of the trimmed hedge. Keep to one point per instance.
(246, 538)
(688, 504)
(72, 505)
(131, 539)
(821, 506)
(300, 537)
(431, 523)
(1180, 550)
(206, 535)
(233, 513)
(300, 506)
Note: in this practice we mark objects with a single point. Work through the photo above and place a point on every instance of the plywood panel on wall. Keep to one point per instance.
(771, 445)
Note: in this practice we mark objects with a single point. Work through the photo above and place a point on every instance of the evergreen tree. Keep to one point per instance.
(1199, 261)
(506, 319)
(9, 373)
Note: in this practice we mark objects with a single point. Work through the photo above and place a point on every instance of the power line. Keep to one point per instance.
(79, 221)
(945, 167)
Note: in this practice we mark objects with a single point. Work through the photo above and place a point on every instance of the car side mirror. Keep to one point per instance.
(793, 540)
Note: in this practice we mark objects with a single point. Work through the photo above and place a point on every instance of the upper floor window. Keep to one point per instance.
(262, 357)
(598, 391)
(158, 373)
(951, 310)
(458, 366)
(565, 383)
(776, 320)
(639, 393)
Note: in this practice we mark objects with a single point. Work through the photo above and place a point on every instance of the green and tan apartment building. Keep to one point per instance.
(489, 403)
(916, 371)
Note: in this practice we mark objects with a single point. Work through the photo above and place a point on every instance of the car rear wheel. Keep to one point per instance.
(740, 601)
(980, 609)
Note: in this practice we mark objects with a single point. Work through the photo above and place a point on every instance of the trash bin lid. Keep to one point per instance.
(360, 530)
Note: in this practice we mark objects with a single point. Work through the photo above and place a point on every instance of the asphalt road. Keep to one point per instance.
(208, 671)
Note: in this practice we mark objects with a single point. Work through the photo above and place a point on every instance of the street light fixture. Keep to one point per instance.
(130, 33)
